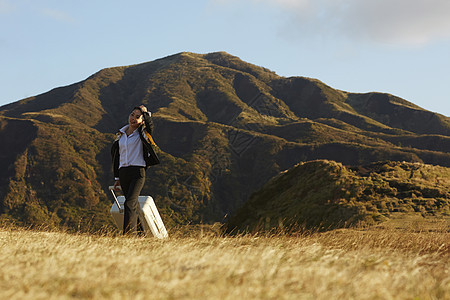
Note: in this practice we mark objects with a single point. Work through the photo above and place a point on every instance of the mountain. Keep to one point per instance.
(224, 127)
(325, 194)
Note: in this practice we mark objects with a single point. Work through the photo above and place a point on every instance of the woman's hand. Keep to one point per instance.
(117, 186)
(143, 108)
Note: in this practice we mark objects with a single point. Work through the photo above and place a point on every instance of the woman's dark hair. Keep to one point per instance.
(138, 108)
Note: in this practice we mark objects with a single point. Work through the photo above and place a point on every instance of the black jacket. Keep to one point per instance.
(145, 131)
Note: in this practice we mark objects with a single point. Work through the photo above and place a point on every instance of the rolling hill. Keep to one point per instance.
(224, 127)
(325, 195)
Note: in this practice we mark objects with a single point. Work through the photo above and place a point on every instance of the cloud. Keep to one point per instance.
(408, 22)
(58, 15)
(6, 7)
(402, 22)
(286, 4)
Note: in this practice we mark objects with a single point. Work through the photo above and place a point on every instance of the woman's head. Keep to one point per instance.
(135, 118)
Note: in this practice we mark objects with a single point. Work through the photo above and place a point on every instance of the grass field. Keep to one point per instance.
(399, 261)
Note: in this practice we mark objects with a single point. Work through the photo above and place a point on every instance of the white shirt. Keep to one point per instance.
(130, 149)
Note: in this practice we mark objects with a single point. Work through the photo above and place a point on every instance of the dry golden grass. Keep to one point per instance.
(384, 263)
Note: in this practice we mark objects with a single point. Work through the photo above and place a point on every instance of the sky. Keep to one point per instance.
(401, 47)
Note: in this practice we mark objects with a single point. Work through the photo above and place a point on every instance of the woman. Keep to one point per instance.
(132, 153)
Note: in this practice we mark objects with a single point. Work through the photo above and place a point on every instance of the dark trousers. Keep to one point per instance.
(132, 181)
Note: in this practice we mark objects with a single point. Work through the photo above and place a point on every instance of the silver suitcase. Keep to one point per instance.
(149, 217)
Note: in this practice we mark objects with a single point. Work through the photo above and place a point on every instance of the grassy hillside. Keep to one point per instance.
(55, 179)
(325, 194)
(224, 127)
(346, 264)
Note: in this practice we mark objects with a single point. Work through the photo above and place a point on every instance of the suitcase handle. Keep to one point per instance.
(111, 188)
